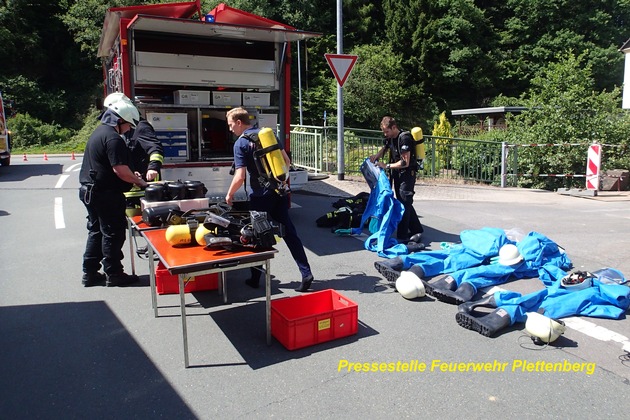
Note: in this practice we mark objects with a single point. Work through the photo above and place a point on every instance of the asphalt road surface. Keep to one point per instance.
(74, 352)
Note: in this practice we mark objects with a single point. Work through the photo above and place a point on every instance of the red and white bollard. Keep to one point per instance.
(593, 162)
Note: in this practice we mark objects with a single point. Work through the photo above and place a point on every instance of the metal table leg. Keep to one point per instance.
(268, 299)
(152, 281)
(131, 250)
(182, 297)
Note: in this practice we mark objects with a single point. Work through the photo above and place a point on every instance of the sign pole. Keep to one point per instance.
(340, 141)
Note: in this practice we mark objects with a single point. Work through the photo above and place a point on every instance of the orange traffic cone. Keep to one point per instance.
(45, 157)
(24, 158)
(73, 158)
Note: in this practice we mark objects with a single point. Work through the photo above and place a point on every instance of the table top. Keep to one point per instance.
(185, 259)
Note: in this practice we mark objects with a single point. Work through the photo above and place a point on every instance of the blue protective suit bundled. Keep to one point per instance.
(542, 258)
(599, 301)
(470, 261)
(383, 206)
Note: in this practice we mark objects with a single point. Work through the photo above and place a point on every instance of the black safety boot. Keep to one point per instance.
(93, 279)
(121, 279)
(414, 247)
(487, 325)
(416, 237)
(464, 293)
(442, 283)
(486, 302)
(306, 284)
(390, 269)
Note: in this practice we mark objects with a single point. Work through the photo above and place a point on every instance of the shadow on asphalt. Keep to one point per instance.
(245, 327)
(76, 360)
(16, 173)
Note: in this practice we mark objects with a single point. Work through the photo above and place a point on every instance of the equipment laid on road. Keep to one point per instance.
(543, 329)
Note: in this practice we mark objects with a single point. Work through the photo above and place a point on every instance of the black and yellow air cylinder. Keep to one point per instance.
(274, 160)
(416, 133)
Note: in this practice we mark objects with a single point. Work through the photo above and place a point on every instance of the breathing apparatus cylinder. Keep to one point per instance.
(274, 163)
(178, 235)
(416, 133)
(200, 234)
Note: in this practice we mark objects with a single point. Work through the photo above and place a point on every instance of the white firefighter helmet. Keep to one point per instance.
(126, 110)
(509, 255)
(543, 327)
(409, 285)
(115, 97)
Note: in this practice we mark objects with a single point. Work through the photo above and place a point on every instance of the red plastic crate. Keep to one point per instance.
(313, 318)
(167, 283)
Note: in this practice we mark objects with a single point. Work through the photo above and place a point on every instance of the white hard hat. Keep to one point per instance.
(543, 328)
(115, 97)
(509, 255)
(126, 110)
(409, 285)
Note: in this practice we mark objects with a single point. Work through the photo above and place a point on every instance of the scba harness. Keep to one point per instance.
(272, 170)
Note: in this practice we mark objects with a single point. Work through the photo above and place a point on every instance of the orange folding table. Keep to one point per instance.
(188, 261)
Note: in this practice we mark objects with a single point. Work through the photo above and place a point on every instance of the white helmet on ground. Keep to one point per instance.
(509, 255)
(409, 285)
(543, 327)
(126, 110)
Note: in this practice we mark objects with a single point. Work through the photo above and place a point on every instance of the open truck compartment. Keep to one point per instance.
(184, 69)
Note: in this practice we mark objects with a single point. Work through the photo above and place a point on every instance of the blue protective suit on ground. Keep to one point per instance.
(599, 301)
(477, 247)
(542, 258)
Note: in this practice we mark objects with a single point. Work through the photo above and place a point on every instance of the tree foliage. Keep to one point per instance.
(417, 58)
(565, 109)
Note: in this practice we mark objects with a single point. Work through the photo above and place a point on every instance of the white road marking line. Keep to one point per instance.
(62, 179)
(75, 167)
(59, 222)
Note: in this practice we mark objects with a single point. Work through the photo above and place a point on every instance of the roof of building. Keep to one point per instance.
(489, 110)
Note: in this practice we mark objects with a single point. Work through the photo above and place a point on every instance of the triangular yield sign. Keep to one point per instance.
(341, 65)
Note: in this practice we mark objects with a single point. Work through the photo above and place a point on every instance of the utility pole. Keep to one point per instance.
(340, 143)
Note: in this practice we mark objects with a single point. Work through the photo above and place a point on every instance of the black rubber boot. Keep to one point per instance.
(93, 279)
(442, 283)
(464, 293)
(121, 279)
(414, 247)
(390, 269)
(487, 325)
(487, 302)
(306, 284)
(416, 237)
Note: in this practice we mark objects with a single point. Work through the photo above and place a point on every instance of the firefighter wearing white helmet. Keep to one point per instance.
(105, 176)
(147, 152)
(543, 328)
(126, 110)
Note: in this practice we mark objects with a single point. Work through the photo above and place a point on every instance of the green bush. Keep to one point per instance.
(29, 132)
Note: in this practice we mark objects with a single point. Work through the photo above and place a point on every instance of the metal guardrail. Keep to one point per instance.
(315, 149)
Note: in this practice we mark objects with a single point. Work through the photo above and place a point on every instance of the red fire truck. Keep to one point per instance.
(184, 73)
